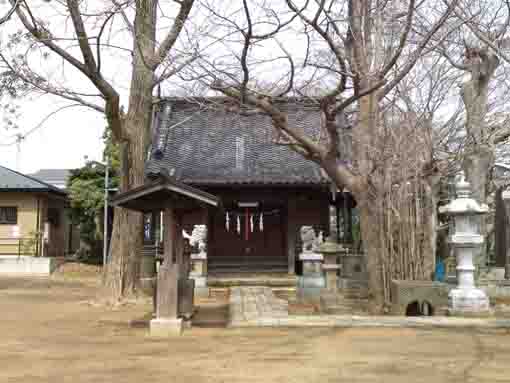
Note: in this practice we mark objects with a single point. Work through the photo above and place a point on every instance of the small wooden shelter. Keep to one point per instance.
(174, 292)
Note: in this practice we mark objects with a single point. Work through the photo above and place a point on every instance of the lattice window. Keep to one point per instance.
(8, 215)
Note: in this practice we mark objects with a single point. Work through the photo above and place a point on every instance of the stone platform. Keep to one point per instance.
(259, 307)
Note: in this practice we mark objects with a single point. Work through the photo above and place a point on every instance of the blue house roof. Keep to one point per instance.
(11, 180)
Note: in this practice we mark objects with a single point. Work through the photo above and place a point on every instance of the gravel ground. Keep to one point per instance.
(52, 331)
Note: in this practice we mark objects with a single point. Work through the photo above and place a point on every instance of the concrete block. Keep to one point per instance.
(164, 328)
(28, 265)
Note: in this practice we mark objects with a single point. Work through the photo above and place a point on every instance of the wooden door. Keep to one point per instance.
(244, 245)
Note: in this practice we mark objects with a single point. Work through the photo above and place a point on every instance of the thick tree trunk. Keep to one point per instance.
(371, 235)
(397, 203)
(371, 226)
(123, 271)
(479, 151)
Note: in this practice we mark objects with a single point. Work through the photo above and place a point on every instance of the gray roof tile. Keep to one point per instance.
(198, 145)
(52, 176)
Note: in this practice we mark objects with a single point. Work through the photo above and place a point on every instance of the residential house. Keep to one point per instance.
(32, 216)
(59, 178)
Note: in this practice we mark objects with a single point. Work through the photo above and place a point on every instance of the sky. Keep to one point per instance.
(62, 142)
(65, 139)
(70, 136)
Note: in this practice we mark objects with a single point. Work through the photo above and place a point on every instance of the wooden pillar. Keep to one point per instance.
(505, 196)
(167, 288)
(324, 218)
(291, 229)
(500, 229)
(209, 221)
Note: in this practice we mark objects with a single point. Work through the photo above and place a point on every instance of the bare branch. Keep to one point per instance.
(421, 46)
(10, 12)
(290, 84)
(81, 34)
(173, 34)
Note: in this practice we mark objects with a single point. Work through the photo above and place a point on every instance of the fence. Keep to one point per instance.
(20, 246)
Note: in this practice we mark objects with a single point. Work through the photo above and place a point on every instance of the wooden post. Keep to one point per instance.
(291, 235)
(167, 320)
(167, 294)
(505, 196)
(169, 236)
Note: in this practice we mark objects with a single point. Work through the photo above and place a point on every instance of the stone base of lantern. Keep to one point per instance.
(468, 303)
(199, 274)
(312, 283)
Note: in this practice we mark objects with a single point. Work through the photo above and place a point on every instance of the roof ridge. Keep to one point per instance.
(51, 187)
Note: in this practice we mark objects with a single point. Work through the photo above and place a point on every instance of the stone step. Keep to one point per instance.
(223, 269)
(273, 280)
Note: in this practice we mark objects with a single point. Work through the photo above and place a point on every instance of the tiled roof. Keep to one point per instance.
(205, 143)
(55, 177)
(11, 180)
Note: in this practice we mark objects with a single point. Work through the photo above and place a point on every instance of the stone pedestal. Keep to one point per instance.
(164, 328)
(199, 273)
(312, 282)
(330, 251)
(198, 270)
(466, 299)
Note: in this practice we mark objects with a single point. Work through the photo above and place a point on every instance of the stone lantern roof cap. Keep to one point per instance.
(464, 204)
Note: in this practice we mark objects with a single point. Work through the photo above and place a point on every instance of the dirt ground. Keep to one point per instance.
(50, 332)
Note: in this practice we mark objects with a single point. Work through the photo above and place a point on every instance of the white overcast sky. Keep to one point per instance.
(61, 143)
(65, 139)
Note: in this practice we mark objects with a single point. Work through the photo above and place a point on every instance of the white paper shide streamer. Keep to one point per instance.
(238, 225)
(251, 222)
(227, 222)
(261, 222)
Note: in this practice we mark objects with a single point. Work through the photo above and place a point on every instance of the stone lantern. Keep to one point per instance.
(330, 251)
(466, 240)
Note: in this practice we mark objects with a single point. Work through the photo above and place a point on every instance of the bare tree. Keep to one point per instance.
(87, 48)
(481, 39)
(7, 14)
(355, 54)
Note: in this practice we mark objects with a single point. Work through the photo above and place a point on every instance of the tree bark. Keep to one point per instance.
(479, 151)
(122, 273)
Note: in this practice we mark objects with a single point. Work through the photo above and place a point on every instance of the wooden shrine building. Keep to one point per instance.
(267, 191)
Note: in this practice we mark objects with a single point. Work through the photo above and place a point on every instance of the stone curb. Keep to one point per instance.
(346, 321)
(258, 307)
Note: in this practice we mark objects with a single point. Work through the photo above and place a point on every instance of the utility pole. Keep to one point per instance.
(19, 139)
(105, 224)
